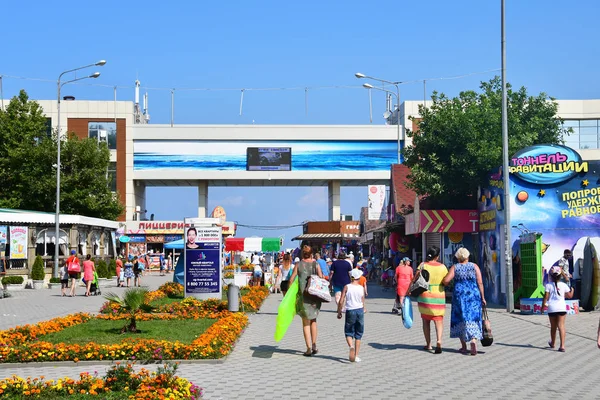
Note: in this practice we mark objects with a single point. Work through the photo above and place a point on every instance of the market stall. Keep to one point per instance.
(251, 245)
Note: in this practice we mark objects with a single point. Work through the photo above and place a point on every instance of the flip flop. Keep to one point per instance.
(314, 350)
(308, 353)
(562, 349)
(438, 349)
(473, 349)
(550, 344)
(463, 351)
(428, 348)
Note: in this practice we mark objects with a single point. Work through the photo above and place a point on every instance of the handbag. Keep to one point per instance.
(421, 284)
(73, 266)
(317, 287)
(488, 338)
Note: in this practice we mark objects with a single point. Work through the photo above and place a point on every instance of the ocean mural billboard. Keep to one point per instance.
(222, 155)
(553, 193)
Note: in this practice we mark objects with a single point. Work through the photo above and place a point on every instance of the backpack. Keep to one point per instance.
(73, 265)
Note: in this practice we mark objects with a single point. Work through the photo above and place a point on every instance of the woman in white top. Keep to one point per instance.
(353, 298)
(285, 271)
(556, 291)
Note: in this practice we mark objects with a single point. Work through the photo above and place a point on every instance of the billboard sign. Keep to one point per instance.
(202, 260)
(377, 202)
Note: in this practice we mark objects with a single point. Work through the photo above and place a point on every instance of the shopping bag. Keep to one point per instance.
(486, 325)
(286, 311)
(319, 288)
(407, 313)
(420, 285)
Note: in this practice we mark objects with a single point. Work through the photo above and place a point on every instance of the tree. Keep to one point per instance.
(28, 166)
(134, 302)
(459, 140)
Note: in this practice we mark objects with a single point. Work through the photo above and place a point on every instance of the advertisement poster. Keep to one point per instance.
(491, 237)
(227, 155)
(554, 195)
(377, 202)
(18, 242)
(202, 277)
(2, 240)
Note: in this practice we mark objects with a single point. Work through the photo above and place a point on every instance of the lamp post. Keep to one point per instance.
(59, 85)
(369, 86)
(397, 94)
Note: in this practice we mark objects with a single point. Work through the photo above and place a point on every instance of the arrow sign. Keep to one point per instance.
(449, 221)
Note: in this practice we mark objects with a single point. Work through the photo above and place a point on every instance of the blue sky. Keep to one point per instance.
(552, 46)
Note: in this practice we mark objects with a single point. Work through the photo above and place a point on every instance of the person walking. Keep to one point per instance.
(403, 277)
(137, 272)
(74, 269)
(467, 300)
(307, 306)
(556, 292)
(339, 275)
(432, 302)
(64, 280)
(353, 300)
(285, 272)
(119, 270)
(323, 265)
(128, 274)
(88, 273)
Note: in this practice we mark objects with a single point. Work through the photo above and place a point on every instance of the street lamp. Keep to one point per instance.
(397, 94)
(59, 85)
(369, 86)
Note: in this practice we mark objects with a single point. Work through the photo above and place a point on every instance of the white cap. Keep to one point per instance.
(356, 273)
(297, 259)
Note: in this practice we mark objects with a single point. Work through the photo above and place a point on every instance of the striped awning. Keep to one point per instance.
(327, 236)
(253, 244)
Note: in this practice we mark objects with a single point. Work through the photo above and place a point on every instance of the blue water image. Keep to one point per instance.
(374, 160)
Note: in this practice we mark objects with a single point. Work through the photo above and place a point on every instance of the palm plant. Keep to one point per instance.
(133, 301)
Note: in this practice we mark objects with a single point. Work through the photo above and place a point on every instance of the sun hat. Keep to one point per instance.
(555, 270)
(356, 273)
(406, 259)
(328, 259)
(73, 252)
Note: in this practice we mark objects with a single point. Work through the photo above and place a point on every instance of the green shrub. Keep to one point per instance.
(8, 280)
(102, 269)
(37, 271)
(54, 280)
(112, 268)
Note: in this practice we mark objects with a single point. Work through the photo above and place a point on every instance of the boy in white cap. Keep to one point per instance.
(353, 300)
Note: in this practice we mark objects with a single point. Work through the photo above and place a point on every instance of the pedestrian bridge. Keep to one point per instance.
(261, 155)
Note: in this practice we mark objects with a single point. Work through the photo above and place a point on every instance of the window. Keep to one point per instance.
(586, 134)
(46, 240)
(104, 132)
(112, 176)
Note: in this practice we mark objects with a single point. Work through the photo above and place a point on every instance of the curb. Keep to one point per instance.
(106, 362)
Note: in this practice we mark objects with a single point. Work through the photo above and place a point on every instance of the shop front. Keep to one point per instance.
(27, 234)
(331, 237)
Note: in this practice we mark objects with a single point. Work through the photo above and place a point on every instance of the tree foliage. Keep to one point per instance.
(459, 140)
(28, 166)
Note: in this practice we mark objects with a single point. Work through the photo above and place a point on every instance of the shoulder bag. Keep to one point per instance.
(73, 265)
(421, 284)
(317, 287)
(486, 325)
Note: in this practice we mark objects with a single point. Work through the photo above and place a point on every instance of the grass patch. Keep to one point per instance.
(108, 332)
(166, 300)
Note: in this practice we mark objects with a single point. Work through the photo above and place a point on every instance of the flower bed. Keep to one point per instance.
(122, 379)
(23, 344)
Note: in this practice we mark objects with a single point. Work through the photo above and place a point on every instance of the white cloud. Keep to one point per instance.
(316, 196)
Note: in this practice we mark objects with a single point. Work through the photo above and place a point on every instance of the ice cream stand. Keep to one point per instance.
(250, 245)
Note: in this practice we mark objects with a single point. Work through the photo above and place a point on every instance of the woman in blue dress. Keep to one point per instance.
(467, 299)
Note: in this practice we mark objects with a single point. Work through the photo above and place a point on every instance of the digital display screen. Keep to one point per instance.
(269, 159)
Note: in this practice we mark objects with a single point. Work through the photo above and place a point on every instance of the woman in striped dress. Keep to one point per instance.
(432, 303)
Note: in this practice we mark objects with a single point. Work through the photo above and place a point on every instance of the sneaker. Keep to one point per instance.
(357, 359)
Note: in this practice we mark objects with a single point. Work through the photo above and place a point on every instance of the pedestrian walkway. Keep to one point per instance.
(517, 365)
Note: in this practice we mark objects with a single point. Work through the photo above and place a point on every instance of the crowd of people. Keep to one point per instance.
(347, 279)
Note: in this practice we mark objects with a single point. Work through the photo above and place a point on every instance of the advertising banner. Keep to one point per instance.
(202, 277)
(2, 240)
(18, 242)
(377, 202)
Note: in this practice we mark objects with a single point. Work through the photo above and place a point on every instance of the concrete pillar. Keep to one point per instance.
(202, 199)
(333, 190)
(139, 192)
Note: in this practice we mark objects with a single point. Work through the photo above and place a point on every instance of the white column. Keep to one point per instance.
(333, 189)
(139, 194)
(202, 198)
